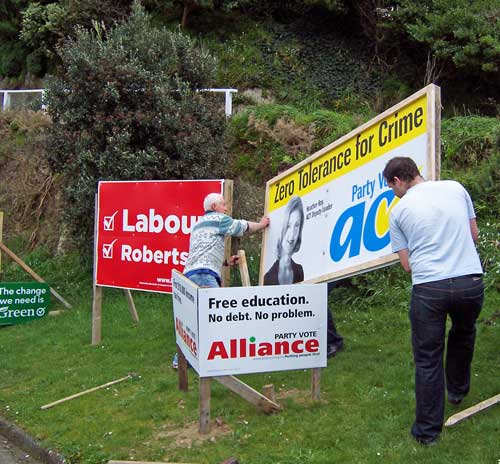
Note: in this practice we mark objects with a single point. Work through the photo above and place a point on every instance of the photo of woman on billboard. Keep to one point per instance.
(285, 270)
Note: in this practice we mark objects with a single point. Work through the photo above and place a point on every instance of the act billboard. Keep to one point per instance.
(330, 213)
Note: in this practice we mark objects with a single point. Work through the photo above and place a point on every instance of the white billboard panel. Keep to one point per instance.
(185, 301)
(330, 213)
(230, 331)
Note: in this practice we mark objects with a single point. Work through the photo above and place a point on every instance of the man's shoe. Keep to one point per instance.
(332, 350)
(454, 399)
(427, 441)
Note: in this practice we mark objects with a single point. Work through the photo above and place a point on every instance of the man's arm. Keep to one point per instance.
(255, 226)
(403, 259)
(474, 229)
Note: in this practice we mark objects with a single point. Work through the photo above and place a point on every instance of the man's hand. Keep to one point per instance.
(233, 260)
(255, 226)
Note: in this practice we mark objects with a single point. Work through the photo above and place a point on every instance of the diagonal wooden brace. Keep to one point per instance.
(248, 393)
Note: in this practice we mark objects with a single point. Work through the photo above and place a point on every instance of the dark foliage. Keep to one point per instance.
(12, 53)
(125, 107)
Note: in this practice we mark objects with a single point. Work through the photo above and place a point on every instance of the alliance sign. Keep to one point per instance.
(143, 229)
(343, 199)
(229, 331)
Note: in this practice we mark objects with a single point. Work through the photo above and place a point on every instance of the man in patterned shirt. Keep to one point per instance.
(206, 246)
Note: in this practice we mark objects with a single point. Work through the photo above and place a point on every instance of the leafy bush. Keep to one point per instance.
(305, 63)
(466, 140)
(47, 25)
(464, 34)
(126, 107)
(488, 246)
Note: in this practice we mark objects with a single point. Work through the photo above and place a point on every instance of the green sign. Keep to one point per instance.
(23, 301)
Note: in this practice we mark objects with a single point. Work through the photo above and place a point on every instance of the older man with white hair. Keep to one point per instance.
(206, 247)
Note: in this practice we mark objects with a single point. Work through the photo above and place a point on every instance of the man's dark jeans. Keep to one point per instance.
(462, 299)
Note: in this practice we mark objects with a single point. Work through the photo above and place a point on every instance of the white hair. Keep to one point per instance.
(210, 199)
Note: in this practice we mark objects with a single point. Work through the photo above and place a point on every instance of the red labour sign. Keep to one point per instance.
(143, 230)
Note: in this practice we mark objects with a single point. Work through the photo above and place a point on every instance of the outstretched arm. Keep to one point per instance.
(255, 226)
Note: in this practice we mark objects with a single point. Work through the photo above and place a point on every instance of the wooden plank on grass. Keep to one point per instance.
(248, 393)
(90, 390)
(462, 415)
(32, 273)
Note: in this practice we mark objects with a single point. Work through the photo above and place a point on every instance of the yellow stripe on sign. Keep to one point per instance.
(395, 130)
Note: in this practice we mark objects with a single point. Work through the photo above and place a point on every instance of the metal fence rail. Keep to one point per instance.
(7, 97)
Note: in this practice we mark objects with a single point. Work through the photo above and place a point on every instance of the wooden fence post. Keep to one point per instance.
(205, 405)
(96, 315)
(315, 383)
(228, 197)
(1, 238)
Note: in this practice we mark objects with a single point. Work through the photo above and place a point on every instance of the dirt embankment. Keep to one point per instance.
(28, 189)
(30, 194)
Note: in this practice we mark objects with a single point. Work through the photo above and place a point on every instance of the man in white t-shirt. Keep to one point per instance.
(433, 229)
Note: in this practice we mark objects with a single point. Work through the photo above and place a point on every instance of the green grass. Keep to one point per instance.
(367, 402)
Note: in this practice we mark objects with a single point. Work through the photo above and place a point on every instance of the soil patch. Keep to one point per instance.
(189, 435)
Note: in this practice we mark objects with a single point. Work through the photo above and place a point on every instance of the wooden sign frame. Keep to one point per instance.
(265, 401)
(98, 289)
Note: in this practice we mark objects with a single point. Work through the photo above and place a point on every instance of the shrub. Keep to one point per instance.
(466, 140)
(46, 25)
(462, 33)
(266, 136)
(126, 107)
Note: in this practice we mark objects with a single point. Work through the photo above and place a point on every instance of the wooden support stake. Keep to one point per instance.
(96, 315)
(268, 392)
(205, 405)
(1, 239)
(32, 273)
(462, 415)
(90, 390)
(131, 305)
(183, 370)
(243, 266)
(248, 393)
(315, 383)
(228, 197)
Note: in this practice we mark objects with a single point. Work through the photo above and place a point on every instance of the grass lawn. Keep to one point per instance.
(364, 416)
